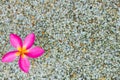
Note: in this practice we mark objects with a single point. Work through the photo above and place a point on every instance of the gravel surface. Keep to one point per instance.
(81, 38)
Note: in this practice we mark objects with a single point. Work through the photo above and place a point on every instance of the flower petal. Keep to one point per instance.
(24, 64)
(15, 40)
(35, 52)
(9, 57)
(29, 40)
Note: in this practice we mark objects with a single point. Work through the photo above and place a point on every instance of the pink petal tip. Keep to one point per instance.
(29, 40)
(35, 52)
(24, 64)
(15, 40)
(9, 57)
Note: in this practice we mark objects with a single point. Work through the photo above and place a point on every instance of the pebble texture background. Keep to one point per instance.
(81, 38)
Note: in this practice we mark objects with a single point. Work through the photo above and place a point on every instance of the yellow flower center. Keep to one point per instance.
(22, 51)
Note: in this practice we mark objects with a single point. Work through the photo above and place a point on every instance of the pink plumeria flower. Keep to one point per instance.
(24, 50)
